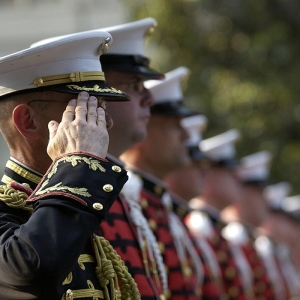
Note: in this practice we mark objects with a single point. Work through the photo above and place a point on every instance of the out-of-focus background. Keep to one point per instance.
(243, 56)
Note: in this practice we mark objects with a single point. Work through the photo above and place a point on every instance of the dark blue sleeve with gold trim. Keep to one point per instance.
(38, 251)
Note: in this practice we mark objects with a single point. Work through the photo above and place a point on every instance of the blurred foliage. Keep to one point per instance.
(244, 57)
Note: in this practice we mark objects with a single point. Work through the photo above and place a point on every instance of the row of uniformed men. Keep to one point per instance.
(185, 223)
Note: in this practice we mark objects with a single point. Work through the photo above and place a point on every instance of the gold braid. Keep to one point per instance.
(129, 289)
(14, 198)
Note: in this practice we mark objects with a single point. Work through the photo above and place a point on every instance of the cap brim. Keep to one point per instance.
(223, 163)
(136, 64)
(196, 154)
(256, 182)
(94, 88)
(172, 109)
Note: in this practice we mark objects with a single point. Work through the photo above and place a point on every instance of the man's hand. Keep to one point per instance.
(83, 128)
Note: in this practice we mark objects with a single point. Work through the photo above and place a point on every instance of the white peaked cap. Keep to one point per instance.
(69, 62)
(194, 125)
(255, 167)
(168, 89)
(126, 54)
(291, 204)
(276, 193)
(129, 38)
(220, 147)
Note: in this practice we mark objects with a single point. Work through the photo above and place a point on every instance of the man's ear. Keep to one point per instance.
(23, 118)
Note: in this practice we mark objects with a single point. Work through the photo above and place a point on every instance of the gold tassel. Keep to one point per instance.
(114, 270)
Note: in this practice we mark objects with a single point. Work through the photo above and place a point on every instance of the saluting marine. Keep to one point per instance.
(48, 245)
(126, 229)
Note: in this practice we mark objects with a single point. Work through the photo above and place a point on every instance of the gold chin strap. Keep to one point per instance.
(68, 78)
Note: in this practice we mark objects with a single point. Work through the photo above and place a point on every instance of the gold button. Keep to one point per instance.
(38, 81)
(260, 287)
(221, 256)
(168, 294)
(187, 271)
(162, 297)
(233, 291)
(144, 203)
(166, 270)
(198, 292)
(108, 188)
(158, 190)
(152, 224)
(161, 247)
(116, 169)
(258, 272)
(230, 272)
(181, 211)
(97, 206)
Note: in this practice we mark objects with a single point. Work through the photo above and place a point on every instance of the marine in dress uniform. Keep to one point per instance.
(204, 220)
(253, 172)
(278, 237)
(48, 249)
(126, 67)
(126, 227)
(187, 272)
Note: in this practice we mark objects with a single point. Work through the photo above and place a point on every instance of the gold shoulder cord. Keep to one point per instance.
(14, 198)
(109, 268)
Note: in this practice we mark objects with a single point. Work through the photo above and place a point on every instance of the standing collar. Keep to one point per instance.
(16, 171)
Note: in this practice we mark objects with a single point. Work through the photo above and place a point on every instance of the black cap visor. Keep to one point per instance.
(94, 87)
(172, 109)
(136, 64)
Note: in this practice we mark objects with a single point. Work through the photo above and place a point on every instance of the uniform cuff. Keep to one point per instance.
(89, 180)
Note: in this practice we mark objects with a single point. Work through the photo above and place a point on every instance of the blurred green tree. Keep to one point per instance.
(245, 66)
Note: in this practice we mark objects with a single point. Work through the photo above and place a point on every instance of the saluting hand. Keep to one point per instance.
(83, 128)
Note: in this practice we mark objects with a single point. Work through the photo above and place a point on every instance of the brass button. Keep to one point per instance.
(108, 188)
(158, 190)
(198, 292)
(260, 287)
(161, 247)
(258, 272)
(222, 256)
(230, 272)
(116, 169)
(38, 82)
(144, 203)
(181, 211)
(168, 294)
(97, 206)
(152, 224)
(166, 270)
(233, 291)
(187, 271)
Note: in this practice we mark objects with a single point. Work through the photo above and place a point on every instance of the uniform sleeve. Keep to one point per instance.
(73, 197)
